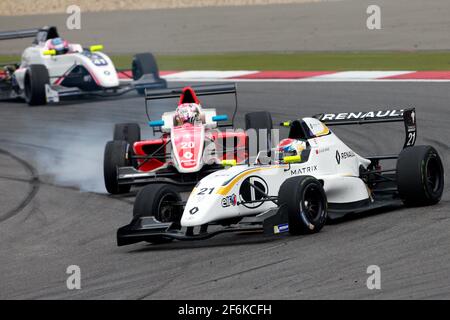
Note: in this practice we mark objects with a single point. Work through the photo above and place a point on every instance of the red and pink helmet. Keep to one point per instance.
(59, 45)
(187, 112)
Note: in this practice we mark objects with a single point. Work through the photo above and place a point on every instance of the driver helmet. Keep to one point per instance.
(290, 148)
(187, 113)
(59, 45)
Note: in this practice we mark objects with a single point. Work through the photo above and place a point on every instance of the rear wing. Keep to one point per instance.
(19, 34)
(407, 116)
(40, 34)
(201, 90)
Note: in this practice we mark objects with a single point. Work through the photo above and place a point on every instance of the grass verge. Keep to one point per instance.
(308, 61)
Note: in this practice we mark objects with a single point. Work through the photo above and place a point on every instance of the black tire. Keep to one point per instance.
(420, 176)
(36, 77)
(260, 120)
(129, 132)
(305, 200)
(144, 63)
(155, 200)
(116, 155)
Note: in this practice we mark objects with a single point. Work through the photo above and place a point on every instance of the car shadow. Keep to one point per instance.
(253, 238)
(224, 240)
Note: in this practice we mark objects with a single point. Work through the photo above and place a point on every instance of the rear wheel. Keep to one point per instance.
(261, 122)
(420, 176)
(115, 156)
(129, 132)
(161, 201)
(36, 77)
(143, 63)
(305, 200)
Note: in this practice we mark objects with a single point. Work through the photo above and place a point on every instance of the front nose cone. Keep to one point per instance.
(191, 217)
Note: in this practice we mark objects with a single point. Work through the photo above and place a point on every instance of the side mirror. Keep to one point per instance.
(96, 47)
(49, 52)
(292, 159)
(229, 163)
(156, 123)
(220, 117)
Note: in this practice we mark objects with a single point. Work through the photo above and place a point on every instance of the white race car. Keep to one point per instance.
(53, 68)
(312, 176)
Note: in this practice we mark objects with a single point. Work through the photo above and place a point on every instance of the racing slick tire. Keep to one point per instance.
(159, 201)
(143, 63)
(129, 132)
(116, 155)
(36, 77)
(260, 120)
(420, 176)
(306, 203)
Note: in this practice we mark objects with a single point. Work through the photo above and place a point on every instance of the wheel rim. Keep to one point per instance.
(433, 175)
(312, 203)
(167, 212)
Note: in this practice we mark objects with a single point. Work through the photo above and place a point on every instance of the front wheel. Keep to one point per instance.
(305, 200)
(161, 201)
(36, 78)
(420, 176)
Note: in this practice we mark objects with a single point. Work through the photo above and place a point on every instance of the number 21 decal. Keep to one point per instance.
(204, 191)
(411, 139)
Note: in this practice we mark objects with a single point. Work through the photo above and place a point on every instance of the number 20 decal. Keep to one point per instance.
(204, 191)
(187, 145)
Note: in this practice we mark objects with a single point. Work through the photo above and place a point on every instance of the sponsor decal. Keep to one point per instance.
(230, 200)
(303, 170)
(347, 154)
(322, 150)
(344, 155)
(281, 228)
(252, 190)
(361, 115)
(194, 210)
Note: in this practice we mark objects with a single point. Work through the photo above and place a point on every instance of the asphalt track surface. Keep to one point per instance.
(47, 154)
(321, 26)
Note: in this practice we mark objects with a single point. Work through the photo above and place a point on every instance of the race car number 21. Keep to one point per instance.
(204, 191)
